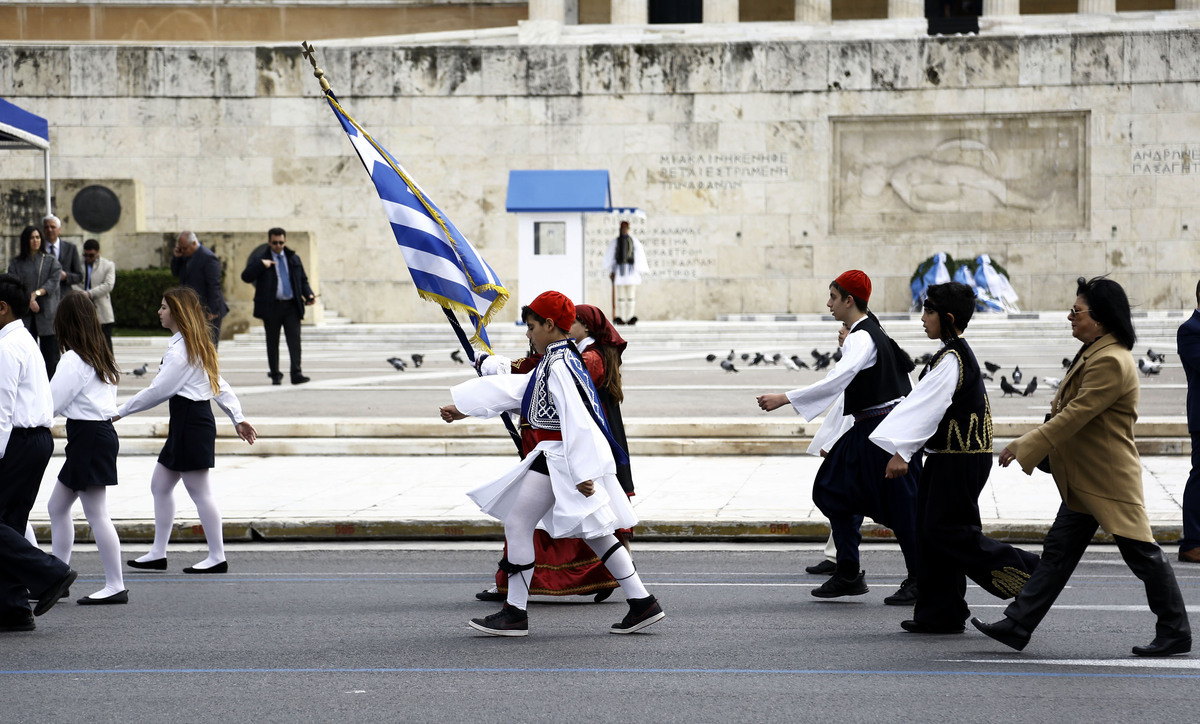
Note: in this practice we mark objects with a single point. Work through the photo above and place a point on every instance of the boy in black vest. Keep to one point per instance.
(948, 415)
(873, 376)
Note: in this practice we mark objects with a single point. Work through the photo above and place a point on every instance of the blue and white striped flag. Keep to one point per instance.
(443, 263)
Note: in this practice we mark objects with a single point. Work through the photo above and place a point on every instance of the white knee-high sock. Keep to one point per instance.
(162, 487)
(196, 482)
(534, 499)
(62, 528)
(619, 565)
(95, 507)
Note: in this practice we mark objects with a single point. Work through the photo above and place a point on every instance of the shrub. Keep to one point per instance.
(137, 295)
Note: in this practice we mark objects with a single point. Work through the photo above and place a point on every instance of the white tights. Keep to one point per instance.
(62, 532)
(162, 487)
(535, 498)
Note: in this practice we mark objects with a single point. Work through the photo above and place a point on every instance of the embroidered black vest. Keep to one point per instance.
(881, 382)
(967, 425)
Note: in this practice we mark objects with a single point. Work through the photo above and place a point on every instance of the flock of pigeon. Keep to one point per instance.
(1149, 365)
(400, 365)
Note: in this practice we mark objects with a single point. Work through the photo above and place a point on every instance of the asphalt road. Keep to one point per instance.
(378, 632)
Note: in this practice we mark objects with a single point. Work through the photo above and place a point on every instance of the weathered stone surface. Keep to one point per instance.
(1097, 59)
(1045, 60)
(40, 71)
(849, 66)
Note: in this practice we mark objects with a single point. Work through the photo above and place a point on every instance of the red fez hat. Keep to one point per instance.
(556, 307)
(856, 283)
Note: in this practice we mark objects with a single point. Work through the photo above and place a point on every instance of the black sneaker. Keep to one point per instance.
(508, 621)
(491, 594)
(642, 613)
(824, 568)
(906, 595)
(838, 586)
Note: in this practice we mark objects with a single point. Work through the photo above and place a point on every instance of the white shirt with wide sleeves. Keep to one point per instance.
(582, 454)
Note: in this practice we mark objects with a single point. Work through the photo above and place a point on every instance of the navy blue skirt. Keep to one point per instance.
(92, 447)
(191, 436)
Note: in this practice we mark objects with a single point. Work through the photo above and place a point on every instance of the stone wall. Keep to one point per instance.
(765, 168)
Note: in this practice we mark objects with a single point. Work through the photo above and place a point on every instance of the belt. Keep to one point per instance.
(874, 412)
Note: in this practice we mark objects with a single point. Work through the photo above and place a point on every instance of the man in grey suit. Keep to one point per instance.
(65, 252)
(199, 268)
(99, 277)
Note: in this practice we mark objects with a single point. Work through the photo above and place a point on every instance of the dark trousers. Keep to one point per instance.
(214, 326)
(283, 314)
(107, 329)
(953, 546)
(1064, 546)
(1191, 501)
(850, 486)
(24, 568)
(48, 344)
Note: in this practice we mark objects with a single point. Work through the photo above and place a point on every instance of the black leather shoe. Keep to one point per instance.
(824, 568)
(24, 623)
(1006, 631)
(222, 567)
(491, 594)
(1165, 646)
(912, 626)
(276, 379)
(632, 321)
(51, 595)
(299, 379)
(618, 320)
(602, 595)
(836, 587)
(119, 597)
(906, 595)
(158, 564)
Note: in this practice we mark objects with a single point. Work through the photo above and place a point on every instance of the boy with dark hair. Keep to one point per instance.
(26, 411)
(872, 377)
(948, 415)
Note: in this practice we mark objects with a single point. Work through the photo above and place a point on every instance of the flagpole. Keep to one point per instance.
(310, 54)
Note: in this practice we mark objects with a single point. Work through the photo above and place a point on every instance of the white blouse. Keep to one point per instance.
(79, 393)
(177, 377)
(24, 389)
(909, 426)
(858, 353)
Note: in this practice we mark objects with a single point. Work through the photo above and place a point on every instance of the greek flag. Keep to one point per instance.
(444, 265)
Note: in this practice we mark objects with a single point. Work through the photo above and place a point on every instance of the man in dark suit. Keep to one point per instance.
(65, 252)
(199, 268)
(1188, 342)
(281, 293)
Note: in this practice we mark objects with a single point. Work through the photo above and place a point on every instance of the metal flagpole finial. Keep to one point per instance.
(311, 53)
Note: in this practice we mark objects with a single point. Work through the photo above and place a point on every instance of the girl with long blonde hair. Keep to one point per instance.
(189, 377)
(85, 391)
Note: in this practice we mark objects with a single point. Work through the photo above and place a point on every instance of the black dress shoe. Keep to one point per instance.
(824, 568)
(51, 595)
(119, 597)
(299, 380)
(618, 320)
(632, 321)
(906, 595)
(1165, 646)
(158, 564)
(1006, 631)
(837, 586)
(19, 623)
(276, 379)
(602, 595)
(222, 567)
(912, 626)
(491, 595)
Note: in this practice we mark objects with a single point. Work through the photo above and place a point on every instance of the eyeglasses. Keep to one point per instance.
(1073, 313)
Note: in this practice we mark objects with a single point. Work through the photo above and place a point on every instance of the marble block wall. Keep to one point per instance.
(765, 168)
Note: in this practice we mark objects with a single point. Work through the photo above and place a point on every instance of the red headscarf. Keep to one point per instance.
(556, 307)
(599, 327)
(856, 283)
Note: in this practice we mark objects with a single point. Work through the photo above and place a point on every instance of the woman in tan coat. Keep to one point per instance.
(1088, 439)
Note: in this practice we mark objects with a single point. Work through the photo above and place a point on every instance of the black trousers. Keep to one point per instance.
(1191, 501)
(285, 315)
(107, 329)
(24, 568)
(953, 546)
(1064, 546)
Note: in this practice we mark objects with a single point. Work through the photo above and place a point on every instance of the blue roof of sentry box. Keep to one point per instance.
(558, 191)
(19, 127)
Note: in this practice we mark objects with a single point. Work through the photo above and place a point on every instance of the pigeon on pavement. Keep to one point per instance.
(1005, 387)
(1030, 388)
(1017, 375)
(728, 366)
